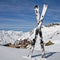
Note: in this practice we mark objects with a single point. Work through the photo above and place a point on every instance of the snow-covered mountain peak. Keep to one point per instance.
(9, 36)
(49, 33)
(52, 24)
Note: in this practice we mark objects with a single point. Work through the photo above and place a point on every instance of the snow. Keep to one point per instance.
(7, 53)
(49, 33)
(9, 36)
(11, 53)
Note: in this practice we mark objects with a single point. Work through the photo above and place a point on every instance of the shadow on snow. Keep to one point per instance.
(47, 54)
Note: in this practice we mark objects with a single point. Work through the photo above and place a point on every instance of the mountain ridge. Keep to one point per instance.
(48, 32)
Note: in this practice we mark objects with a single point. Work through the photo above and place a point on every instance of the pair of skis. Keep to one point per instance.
(38, 30)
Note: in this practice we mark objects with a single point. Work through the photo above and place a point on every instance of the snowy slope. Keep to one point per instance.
(9, 36)
(7, 53)
(49, 33)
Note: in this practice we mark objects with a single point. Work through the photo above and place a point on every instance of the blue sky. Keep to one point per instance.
(19, 15)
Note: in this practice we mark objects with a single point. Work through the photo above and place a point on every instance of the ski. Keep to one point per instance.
(38, 31)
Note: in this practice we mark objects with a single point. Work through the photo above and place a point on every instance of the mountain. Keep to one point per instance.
(9, 36)
(50, 32)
